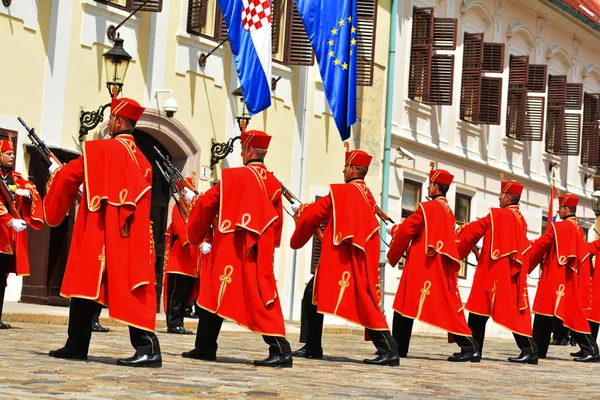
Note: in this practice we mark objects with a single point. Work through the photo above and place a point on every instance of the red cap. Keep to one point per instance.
(440, 176)
(126, 108)
(568, 200)
(6, 145)
(256, 139)
(511, 187)
(359, 158)
(190, 181)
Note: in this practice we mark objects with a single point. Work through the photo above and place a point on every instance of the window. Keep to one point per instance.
(481, 95)
(316, 247)
(132, 5)
(590, 137)
(204, 19)
(431, 74)
(462, 212)
(7, 134)
(563, 122)
(411, 196)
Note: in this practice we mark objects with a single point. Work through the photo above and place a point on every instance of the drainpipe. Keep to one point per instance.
(389, 103)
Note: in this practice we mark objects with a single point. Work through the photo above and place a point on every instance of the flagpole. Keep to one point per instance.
(551, 205)
(389, 107)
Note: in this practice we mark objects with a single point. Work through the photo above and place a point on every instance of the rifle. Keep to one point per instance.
(9, 199)
(171, 173)
(173, 190)
(381, 214)
(291, 198)
(44, 150)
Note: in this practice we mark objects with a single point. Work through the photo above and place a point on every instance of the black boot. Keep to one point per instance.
(276, 360)
(96, 327)
(4, 326)
(142, 360)
(579, 353)
(390, 358)
(525, 358)
(66, 353)
(473, 356)
(588, 358)
(307, 352)
(198, 354)
(179, 330)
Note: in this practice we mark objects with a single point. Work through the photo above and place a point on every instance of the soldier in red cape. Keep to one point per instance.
(111, 259)
(428, 289)
(347, 284)
(182, 263)
(238, 283)
(500, 283)
(14, 252)
(564, 251)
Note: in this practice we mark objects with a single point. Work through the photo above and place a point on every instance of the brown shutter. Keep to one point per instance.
(444, 33)
(276, 11)
(557, 90)
(490, 101)
(574, 96)
(196, 19)
(220, 25)
(366, 14)
(534, 119)
(298, 50)
(570, 141)
(590, 144)
(419, 73)
(518, 72)
(422, 26)
(516, 109)
(554, 129)
(471, 77)
(442, 77)
(151, 6)
(493, 57)
(591, 107)
(538, 74)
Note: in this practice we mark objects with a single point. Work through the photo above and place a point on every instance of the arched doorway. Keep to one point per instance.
(159, 211)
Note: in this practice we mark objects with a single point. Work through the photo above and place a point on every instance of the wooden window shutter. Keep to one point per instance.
(590, 135)
(554, 129)
(557, 90)
(444, 33)
(366, 24)
(518, 72)
(442, 78)
(298, 50)
(493, 57)
(419, 73)
(572, 131)
(220, 25)
(470, 89)
(422, 26)
(537, 79)
(490, 101)
(574, 96)
(534, 119)
(196, 19)
(276, 10)
(151, 6)
(516, 111)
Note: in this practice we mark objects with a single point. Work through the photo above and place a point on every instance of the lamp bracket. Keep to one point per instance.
(89, 120)
(551, 165)
(111, 32)
(274, 82)
(583, 220)
(219, 151)
(586, 177)
(204, 56)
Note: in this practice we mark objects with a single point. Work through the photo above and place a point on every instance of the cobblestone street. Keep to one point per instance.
(28, 372)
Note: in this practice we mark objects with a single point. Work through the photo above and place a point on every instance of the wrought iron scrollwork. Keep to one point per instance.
(89, 120)
(219, 151)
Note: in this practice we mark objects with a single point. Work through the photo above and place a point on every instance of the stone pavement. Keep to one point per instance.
(28, 373)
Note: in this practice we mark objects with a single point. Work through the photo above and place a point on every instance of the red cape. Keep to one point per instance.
(238, 282)
(500, 283)
(110, 260)
(30, 210)
(558, 293)
(347, 278)
(428, 289)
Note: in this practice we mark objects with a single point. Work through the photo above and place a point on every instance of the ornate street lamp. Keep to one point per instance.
(116, 61)
(219, 151)
(596, 202)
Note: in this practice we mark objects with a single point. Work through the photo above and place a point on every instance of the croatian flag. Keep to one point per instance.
(249, 30)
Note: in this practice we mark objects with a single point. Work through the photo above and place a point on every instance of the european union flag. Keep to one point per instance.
(331, 28)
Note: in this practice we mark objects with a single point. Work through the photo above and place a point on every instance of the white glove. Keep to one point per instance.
(53, 166)
(295, 206)
(388, 226)
(188, 195)
(205, 247)
(23, 193)
(17, 224)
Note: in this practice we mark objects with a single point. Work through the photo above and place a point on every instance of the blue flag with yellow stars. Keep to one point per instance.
(331, 28)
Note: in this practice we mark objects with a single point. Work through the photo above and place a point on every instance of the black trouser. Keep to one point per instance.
(209, 327)
(542, 326)
(5, 260)
(179, 288)
(477, 324)
(81, 313)
(402, 331)
(311, 322)
(594, 328)
(560, 331)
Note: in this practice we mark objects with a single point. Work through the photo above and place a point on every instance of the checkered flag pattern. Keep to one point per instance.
(256, 14)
